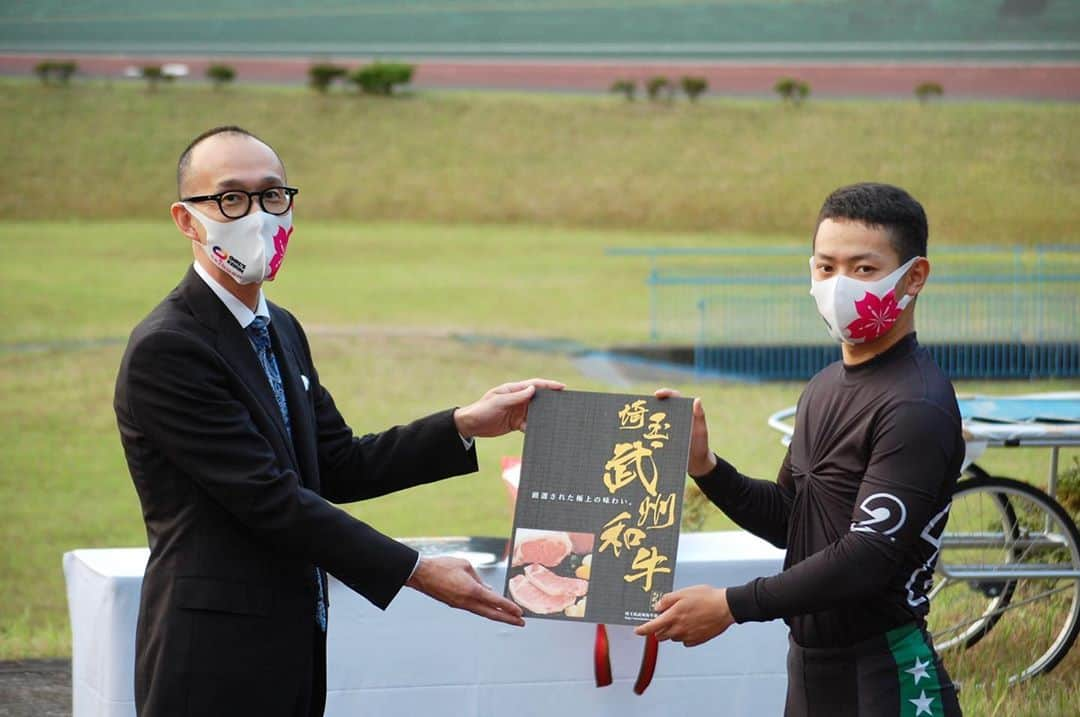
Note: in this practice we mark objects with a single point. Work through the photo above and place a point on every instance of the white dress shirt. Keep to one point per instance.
(237, 308)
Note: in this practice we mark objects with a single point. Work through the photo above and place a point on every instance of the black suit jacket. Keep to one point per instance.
(237, 514)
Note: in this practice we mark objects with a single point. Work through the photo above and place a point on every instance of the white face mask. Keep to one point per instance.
(249, 249)
(859, 311)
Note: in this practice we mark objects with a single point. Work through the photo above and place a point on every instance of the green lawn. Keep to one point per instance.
(526, 281)
(987, 172)
(380, 301)
(491, 197)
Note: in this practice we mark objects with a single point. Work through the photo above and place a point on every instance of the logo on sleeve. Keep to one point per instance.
(885, 514)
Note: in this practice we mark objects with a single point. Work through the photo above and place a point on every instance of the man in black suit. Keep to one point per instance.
(237, 453)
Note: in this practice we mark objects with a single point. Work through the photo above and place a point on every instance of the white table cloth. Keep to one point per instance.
(422, 658)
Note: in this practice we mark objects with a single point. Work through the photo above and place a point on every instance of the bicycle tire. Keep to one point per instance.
(997, 600)
(1014, 503)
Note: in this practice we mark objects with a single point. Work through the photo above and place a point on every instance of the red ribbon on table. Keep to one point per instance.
(602, 661)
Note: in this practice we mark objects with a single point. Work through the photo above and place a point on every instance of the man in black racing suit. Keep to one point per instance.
(863, 494)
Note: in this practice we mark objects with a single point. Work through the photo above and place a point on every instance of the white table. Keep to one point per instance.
(420, 657)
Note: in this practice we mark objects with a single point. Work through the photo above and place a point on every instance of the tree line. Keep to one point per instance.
(385, 78)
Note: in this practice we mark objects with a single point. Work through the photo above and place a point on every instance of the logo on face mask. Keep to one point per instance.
(876, 316)
(281, 242)
(227, 259)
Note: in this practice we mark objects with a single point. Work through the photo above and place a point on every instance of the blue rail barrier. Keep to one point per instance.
(987, 312)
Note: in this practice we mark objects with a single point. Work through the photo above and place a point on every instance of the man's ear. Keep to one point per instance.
(187, 224)
(916, 277)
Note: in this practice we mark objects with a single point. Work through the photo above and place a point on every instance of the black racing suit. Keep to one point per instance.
(860, 504)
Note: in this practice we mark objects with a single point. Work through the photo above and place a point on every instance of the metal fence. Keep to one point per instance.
(986, 312)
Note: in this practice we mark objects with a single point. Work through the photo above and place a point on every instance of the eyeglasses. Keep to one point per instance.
(236, 203)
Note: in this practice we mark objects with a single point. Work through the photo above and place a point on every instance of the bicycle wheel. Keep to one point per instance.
(965, 611)
(1006, 593)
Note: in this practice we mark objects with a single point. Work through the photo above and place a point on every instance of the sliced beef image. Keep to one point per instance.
(553, 584)
(547, 547)
(535, 600)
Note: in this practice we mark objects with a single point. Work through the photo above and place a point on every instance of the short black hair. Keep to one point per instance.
(884, 206)
(184, 162)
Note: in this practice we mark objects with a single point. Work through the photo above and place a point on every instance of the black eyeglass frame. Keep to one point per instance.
(290, 191)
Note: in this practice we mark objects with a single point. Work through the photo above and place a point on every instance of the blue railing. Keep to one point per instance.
(987, 311)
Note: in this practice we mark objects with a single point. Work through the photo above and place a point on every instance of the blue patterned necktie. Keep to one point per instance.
(259, 334)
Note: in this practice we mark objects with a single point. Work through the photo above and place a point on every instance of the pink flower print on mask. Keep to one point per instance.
(876, 316)
(281, 241)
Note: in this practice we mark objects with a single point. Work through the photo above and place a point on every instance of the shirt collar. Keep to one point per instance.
(243, 315)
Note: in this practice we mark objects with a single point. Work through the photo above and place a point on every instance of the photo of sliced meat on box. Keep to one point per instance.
(550, 571)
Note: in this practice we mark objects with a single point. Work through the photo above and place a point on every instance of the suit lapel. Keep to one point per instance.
(236, 349)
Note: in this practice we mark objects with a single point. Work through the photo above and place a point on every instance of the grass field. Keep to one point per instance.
(986, 172)
(382, 300)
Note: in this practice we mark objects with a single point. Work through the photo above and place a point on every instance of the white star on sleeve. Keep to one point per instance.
(922, 704)
(919, 670)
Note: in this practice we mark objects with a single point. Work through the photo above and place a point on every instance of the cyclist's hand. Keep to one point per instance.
(691, 616)
(702, 460)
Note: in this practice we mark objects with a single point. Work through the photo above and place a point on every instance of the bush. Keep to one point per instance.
(321, 76)
(792, 90)
(58, 70)
(220, 75)
(785, 87)
(659, 88)
(626, 88)
(928, 90)
(380, 78)
(154, 74)
(694, 87)
(43, 70)
(64, 70)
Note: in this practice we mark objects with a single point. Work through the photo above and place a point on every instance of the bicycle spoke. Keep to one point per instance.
(938, 587)
(1001, 610)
